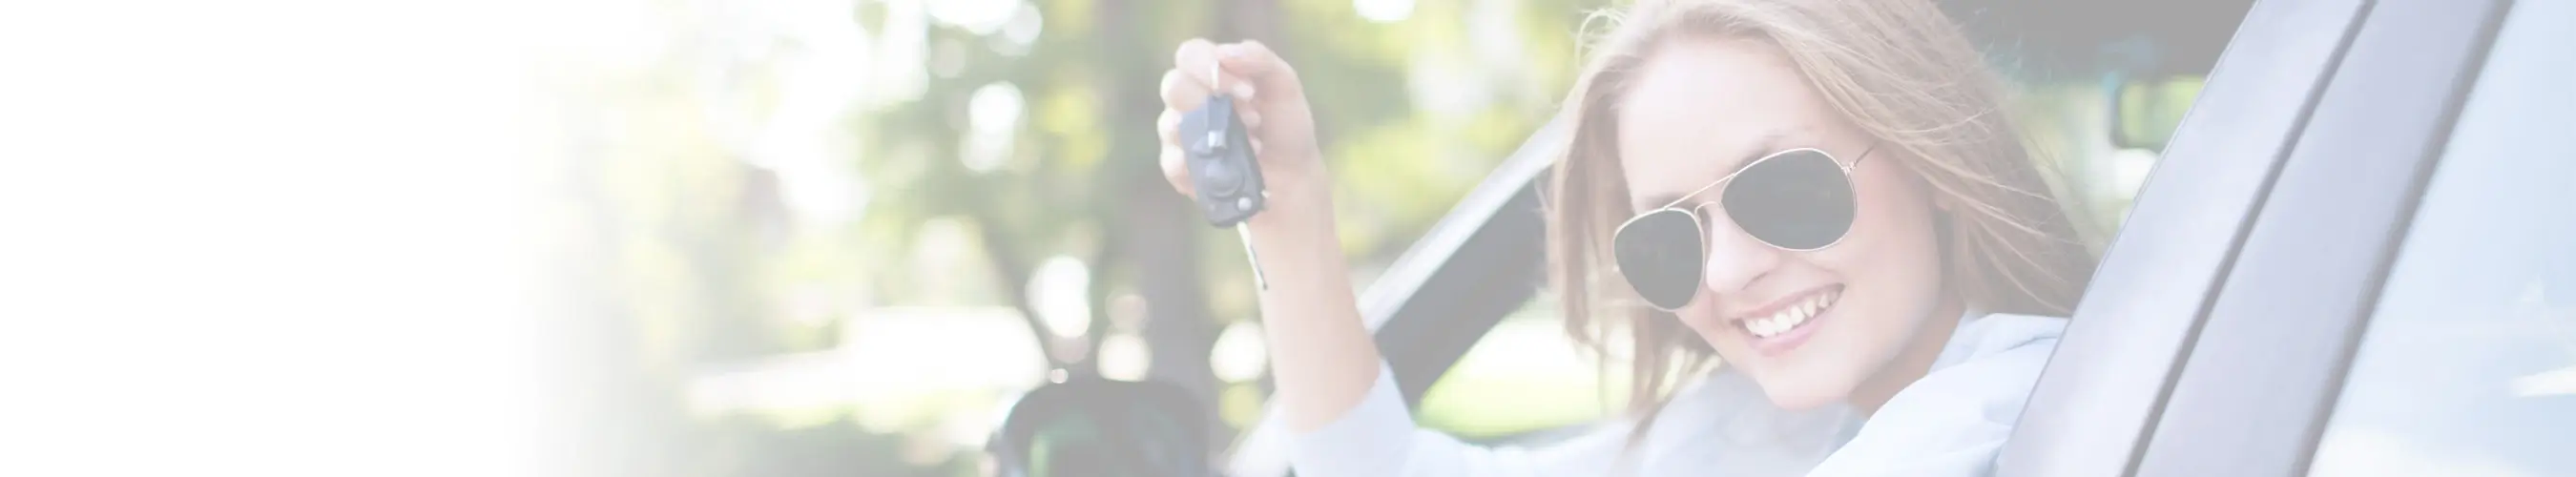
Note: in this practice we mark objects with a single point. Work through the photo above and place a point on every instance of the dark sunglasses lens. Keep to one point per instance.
(1659, 254)
(1798, 200)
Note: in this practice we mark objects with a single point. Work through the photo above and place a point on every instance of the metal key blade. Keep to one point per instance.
(1246, 233)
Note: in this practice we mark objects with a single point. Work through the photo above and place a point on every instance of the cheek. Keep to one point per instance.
(1891, 234)
(1730, 344)
(1891, 262)
(1702, 318)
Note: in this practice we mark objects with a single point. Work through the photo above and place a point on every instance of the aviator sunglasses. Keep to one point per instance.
(1797, 200)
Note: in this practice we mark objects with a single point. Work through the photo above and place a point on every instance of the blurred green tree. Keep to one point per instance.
(1079, 176)
(983, 146)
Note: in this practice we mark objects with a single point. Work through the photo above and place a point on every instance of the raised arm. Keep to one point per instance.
(1333, 390)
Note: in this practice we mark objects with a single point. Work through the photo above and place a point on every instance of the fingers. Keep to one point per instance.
(1256, 65)
(1239, 70)
(1173, 169)
(1181, 92)
(1197, 59)
(1169, 127)
(1176, 172)
(1193, 58)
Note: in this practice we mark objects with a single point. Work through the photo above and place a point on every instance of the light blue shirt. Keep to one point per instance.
(1949, 423)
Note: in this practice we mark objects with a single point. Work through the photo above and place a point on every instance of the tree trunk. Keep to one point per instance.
(1012, 272)
(1160, 231)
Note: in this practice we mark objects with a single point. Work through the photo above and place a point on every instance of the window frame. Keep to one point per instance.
(2097, 401)
(2507, 141)
(2261, 378)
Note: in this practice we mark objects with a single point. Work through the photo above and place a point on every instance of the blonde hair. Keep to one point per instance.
(1901, 72)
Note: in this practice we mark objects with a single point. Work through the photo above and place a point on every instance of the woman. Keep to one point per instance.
(1823, 195)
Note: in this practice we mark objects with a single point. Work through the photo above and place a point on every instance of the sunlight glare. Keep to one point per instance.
(1383, 11)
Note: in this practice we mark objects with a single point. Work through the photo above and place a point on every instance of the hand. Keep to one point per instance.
(1271, 104)
(1322, 356)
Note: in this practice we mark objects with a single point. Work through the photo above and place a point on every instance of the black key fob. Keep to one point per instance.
(1222, 168)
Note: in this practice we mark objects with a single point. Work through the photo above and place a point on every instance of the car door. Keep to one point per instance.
(2100, 394)
(2467, 362)
(2437, 160)
(2234, 362)
(2248, 397)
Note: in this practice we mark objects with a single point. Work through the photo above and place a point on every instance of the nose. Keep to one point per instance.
(1735, 259)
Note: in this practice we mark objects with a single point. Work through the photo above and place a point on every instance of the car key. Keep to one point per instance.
(1223, 171)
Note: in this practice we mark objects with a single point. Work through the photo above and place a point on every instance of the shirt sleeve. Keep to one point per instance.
(1378, 438)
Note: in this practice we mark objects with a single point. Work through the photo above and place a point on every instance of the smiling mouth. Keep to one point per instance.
(1791, 316)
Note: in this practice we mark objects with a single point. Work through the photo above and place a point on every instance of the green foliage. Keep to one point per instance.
(710, 258)
(2150, 111)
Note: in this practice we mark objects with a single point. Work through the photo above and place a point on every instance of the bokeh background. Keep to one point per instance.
(837, 237)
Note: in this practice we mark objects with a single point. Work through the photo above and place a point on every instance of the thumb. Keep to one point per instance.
(1255, 62)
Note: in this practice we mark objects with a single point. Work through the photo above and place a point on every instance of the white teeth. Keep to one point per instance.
(1791, 316)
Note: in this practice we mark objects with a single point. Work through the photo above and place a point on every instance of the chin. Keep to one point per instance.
(1800, 396)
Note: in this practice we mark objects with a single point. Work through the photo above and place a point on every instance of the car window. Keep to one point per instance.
(1527, 381)
(1524, 378)
(2468, 364)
